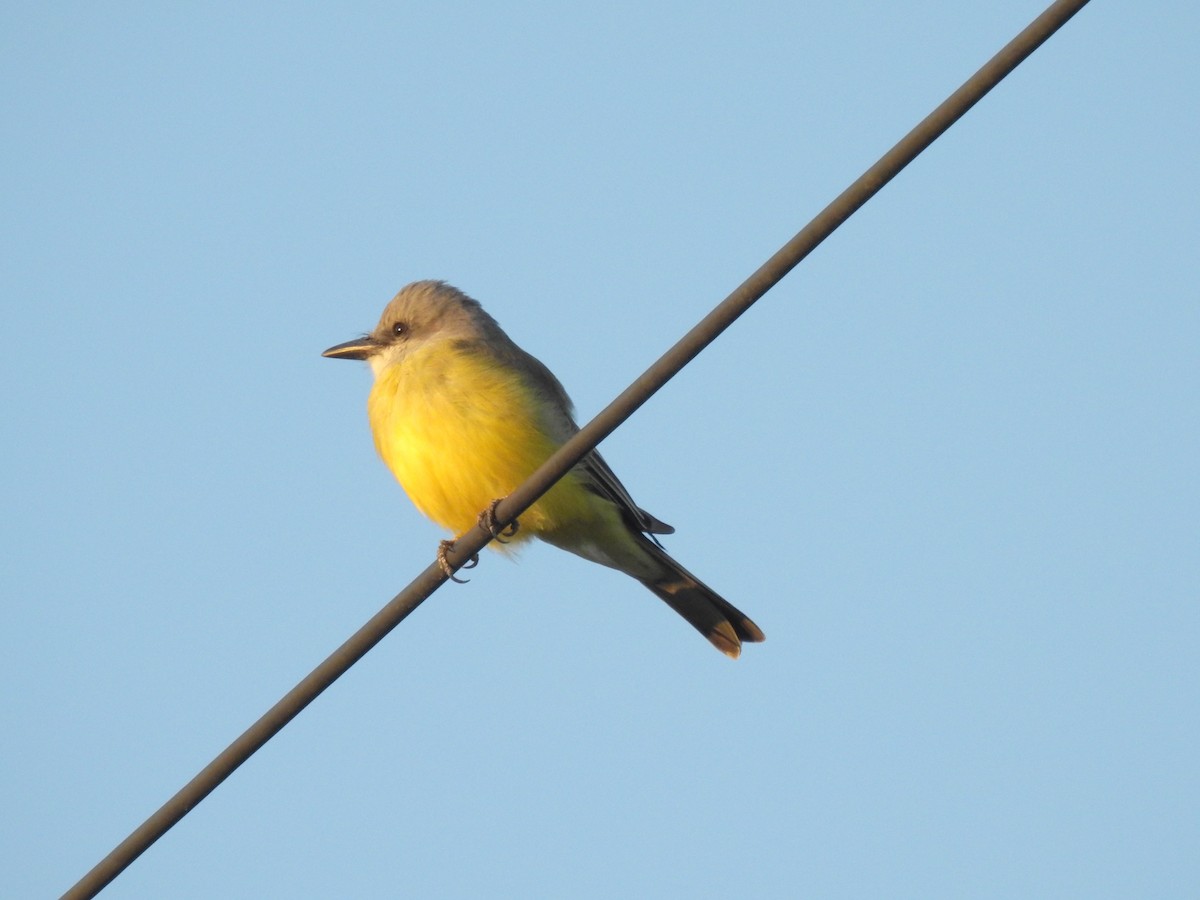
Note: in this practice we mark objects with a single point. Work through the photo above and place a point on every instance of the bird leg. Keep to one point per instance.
(445, 547)
(489, 523)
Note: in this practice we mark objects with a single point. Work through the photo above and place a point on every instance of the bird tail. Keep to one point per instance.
(712, 615)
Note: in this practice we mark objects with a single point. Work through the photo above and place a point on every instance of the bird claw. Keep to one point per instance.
(444, 547)
(489, 523)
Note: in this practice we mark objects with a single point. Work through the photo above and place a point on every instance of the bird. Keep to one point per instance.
(461, 416)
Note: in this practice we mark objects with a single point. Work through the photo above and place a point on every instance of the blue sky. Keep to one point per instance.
(948, 465)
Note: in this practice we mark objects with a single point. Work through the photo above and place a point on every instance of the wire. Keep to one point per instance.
(667, 366)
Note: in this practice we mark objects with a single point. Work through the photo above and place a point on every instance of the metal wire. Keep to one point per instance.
(795, 250)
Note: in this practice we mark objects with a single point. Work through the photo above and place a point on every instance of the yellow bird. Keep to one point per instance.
(462, 416)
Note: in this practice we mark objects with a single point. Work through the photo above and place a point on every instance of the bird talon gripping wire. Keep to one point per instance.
(489, 523)
(444, 547)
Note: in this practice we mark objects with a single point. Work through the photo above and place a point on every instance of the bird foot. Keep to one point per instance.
(489, 523)
(444, 547)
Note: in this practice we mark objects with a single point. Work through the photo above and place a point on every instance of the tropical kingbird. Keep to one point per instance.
(462, 416)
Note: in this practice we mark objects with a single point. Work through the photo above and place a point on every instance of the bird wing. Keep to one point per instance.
(601, 480)
(605, 483)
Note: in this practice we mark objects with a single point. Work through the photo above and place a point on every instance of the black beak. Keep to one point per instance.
(360, 348)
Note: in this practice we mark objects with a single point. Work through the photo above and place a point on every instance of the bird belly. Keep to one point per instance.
(459, 432)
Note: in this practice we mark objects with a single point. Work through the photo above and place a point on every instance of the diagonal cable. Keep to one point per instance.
(704, 333)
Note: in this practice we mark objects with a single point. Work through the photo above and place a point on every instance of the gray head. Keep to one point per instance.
(422, 313)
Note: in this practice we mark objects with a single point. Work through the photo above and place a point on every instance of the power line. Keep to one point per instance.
(667, 366)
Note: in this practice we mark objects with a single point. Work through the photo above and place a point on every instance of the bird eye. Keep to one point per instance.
(400, 329)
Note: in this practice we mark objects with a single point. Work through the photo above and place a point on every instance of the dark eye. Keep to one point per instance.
(400, 329)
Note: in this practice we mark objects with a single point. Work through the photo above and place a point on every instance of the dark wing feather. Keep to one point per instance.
(607, 485)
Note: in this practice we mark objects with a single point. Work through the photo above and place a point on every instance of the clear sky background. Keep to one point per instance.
(949, 464)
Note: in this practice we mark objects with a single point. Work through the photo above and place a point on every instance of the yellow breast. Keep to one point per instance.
(458, 431)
